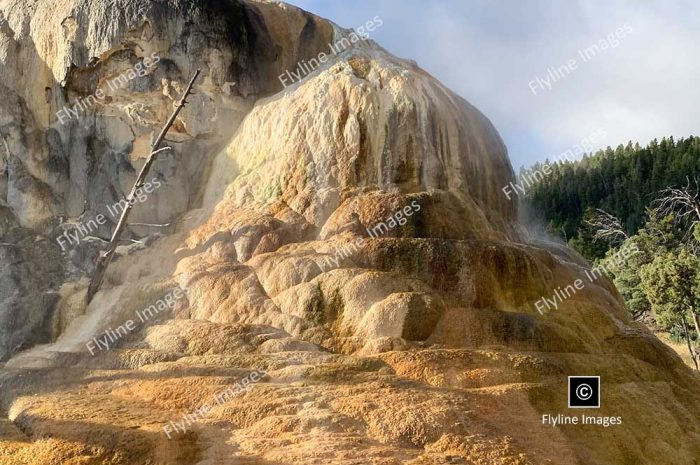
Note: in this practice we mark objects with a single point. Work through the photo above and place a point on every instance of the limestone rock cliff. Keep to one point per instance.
(346, 234)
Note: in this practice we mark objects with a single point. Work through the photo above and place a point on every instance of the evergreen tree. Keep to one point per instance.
(658, 237)
(672, 286)
(623, 182)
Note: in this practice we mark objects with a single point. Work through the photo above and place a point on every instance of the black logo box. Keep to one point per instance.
(584, 391)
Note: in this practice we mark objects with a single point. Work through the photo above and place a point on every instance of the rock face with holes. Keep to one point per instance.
(345, 234)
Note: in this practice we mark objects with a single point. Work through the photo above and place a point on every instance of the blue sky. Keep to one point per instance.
(643, 85)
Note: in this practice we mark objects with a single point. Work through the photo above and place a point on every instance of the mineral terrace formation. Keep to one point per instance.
(284, 246)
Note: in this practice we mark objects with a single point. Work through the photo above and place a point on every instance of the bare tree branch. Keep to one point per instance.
(607, 227)
(132, 241)
(683, 203)
(106, 258)
(165, 225)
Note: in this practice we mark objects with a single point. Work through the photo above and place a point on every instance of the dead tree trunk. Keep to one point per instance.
(687, 339)
(106, 258)
(695, 321)
(697, 331)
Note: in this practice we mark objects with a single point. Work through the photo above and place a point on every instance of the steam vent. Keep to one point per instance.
(321, 270)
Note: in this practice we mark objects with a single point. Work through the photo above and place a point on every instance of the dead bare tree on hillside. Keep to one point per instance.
(684, 204)
(106, 258)
(607, 227)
